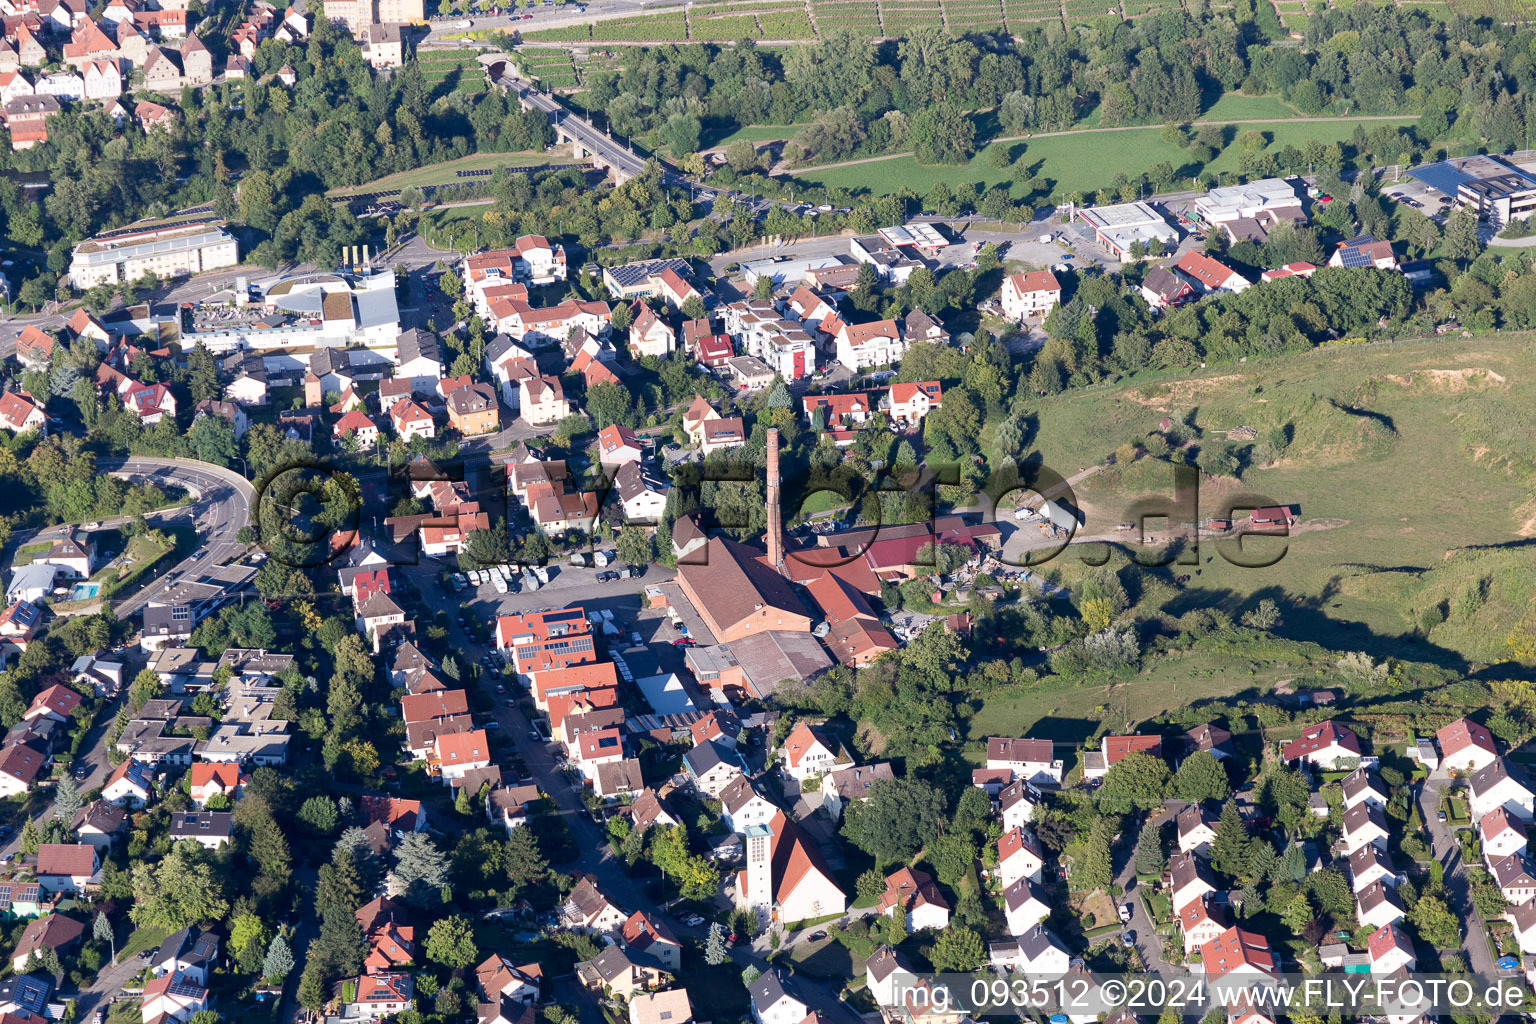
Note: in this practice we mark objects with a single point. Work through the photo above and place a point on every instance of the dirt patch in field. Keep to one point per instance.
(1180, 392)
(1449, 381)
(1526, 514)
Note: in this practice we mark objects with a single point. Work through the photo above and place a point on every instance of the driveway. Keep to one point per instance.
(1448, 853)
(1148, 943)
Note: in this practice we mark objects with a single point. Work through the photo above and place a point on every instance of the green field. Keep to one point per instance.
(445, 173)
(1084, 160)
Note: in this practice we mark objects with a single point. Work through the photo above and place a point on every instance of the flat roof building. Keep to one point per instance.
(1490, 186)
(165, 250)
(1117, 228)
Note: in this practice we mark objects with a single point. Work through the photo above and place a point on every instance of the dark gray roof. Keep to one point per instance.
(196, 824)
(771, 987)
(416, 343)
(705, 756)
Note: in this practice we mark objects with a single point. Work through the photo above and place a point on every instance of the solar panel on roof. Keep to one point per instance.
(1354, 258)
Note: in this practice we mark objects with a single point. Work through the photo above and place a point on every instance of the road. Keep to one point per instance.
(1448, 852)
(612, 153)
(223, 506)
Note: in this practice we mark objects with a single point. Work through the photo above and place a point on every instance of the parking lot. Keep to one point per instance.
(1417, 195)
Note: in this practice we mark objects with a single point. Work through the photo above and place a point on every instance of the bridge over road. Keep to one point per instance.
(586, 141)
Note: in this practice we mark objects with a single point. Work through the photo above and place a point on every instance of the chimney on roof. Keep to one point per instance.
(775, 517)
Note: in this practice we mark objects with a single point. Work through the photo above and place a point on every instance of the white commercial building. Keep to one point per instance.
(315, 311)
(1117, 228)
(166, 251)
(1235, 202)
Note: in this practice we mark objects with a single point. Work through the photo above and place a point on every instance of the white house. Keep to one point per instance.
(1523, 919)
(1377, 905)
(874, 344)
(419, 357)
(1501, 833)
(1370, 864)
(1390, 950)
(1466, 747)
(1364, 824)
(776, 999)
(1016, 804)
(129, 785)
(1496, 786)
(1188, 879)
(809, 752)
(1035, 953)
(1201, 921)
(885, 975)
(1363, 786)
(67, 867)
(1326, 745)
(742, 805)
(912, 892)
(712, 766)
(1024, 906)
(1197, 829)
(1019, 855)
(1032, 294)
(1514, 877)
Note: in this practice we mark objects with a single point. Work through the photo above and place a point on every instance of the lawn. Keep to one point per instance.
(139, 940)
(1235, 106)
(827, 959)
(446, 173)
(1077, 161)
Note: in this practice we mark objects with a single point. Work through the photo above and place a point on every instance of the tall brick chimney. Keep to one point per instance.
(775, 518)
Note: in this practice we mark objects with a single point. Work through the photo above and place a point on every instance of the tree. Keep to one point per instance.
(899, 818)
(1200, 778)
(176, 892)
(319, 815)
(1137, 781)
(1231, 849)
(716, 952)
(525, 862)
(278, 963)
(1434, 921)
(421, 870)
(1461, 241)
(958, 950)
(212, 438)
(67, 801)
(635, 546)
(1094, 869)
(1150, 857)
(451, 942)
(101, 931)
(31, 838)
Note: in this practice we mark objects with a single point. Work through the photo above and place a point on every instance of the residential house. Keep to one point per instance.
(20, 413)
(1466, 747)
(67, 867)
(712, 766)
(57, 932)
(20, 765)
(647, 939)
(1032, 760)
(843, 786)
(1210, 276)
(375, 996)
(1019, 855)
(1363, 786)
(419, 357)
(1502, 834)
(1163, 289)
(1497, 785)
(1187, 879)
(742, 806)
(1024, 906)
(912, 893)
(858, 346)
(129, 785)
(472, 410)
(1035, 953)
(1378, 905)
(209, 829)
(223, 779)
(1197, 829)
(613, 973)
(1363, 251)
(541, 400)
(1238, 952)
(172, 997)
(1370, 863)
(810, 751)
(776, 999)
(1515, 878)
(588, 911)
(1364, 824)
(1114, 749)
(460, 753)
(1031, 294)
(910, 402)
(1327, 745)
(1016, 804)
(1200, 921)
(649, 334)
(411, 421)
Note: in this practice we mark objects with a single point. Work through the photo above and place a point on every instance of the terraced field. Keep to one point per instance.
(789, 20)
(448, 71)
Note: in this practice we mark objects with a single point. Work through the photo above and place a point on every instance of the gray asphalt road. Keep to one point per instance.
(1474, 930)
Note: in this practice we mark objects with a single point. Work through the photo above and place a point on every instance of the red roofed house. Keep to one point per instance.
(674, 289)
(616, 445)
(1324, 745)
(707, 347)
(57, 702)
(538, 261)
(1390, 950)
(1466, 746)
(1032, 760)
(54, 931)
(374, 996)
(364, 431)
(1301, 268)
(411, 420)
(910, 402)
(391, 947)
(19, 413)
(649, 334)
(150, 402)
(211, 778)
(460, 753)
(786, 876)
(1208, 275)
(34, 347)
(1237, 951)
(1363, 252)
(1028, 295)
(172, 997)
(67, 867)
(873, 344)
(913, 892)
(1019, 855)
(20, 765)
(1113, 750)
(809, 752)
(396, 812)
(856, 636)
